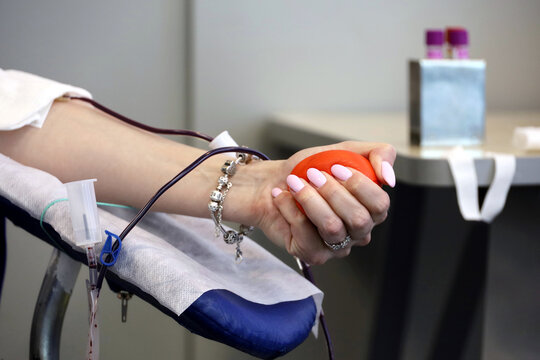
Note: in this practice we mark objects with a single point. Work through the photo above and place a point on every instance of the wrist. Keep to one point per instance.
(249, 198)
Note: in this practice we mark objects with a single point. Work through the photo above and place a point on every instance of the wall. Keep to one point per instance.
(254, 58)
(130, 55)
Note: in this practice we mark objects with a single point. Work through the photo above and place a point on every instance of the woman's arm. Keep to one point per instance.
(79, 142)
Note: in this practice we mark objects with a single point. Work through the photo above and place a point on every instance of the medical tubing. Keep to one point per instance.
(42, 217)
(140, 125)
(92, 265)
(329, 345)
(58, 245)
(142, 212)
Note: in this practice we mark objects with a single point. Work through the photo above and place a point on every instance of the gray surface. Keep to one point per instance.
(412, 166)
(436, 172)
(128, 54)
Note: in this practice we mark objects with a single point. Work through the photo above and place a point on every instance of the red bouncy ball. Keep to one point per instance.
(324, 161)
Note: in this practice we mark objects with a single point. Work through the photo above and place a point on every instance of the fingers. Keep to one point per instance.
(346, 203)
(353, 214)
(335, 205)
(361, 188)
(328, 223)
(381, 156)
(304, 241)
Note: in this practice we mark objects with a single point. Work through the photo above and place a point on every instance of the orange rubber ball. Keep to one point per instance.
(324, 161)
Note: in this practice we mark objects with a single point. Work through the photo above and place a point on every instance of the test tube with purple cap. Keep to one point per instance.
(434, 44)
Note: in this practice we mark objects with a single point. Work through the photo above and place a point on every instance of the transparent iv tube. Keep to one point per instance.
(92, 346)
(86, 231)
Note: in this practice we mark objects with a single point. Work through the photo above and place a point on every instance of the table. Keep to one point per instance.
(445, 292)
(414, 165)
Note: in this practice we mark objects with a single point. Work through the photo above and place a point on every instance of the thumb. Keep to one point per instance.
(382, 159)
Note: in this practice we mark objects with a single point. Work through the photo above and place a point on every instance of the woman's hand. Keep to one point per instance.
(336, 205)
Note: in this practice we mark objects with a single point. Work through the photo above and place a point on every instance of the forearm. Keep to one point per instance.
(80, 142)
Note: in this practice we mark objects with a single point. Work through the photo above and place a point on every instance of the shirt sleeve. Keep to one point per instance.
(25, 99)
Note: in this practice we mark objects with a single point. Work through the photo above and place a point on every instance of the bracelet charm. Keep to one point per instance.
(215, 205)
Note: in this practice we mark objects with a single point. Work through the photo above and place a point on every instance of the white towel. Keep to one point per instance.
(26, 99)
(174, 258)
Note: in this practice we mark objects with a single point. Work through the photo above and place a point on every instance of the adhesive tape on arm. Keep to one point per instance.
(223, 140)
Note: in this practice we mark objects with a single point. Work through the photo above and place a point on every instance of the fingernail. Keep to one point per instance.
(276, 192)
(341, 172)
(295, 183)
(388, 174)
(316, 177)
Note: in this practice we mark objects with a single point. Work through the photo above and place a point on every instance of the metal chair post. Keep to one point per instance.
(51, 306)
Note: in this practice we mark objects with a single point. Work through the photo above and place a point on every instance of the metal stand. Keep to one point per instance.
(51, 306)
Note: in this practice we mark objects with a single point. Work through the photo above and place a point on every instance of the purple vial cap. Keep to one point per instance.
(434, 37)
(458, 37)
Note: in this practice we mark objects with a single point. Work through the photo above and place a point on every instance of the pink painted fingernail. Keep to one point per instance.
(276, 192)
(341, 172)
(316, 177)
(295, 183)
(388, 174)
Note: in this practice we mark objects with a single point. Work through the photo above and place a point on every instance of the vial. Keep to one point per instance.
(458, 43)
(434, 44)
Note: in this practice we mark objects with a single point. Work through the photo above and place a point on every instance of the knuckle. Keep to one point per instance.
(299, 219)
(382, 204)
(344, 253)
(389, 149)
(365, 240)
(356, 180)
(332, 227)
(317, 258)
(330, 190)
(303, 251)
(383, 217)
(347, 144)
(361, 220)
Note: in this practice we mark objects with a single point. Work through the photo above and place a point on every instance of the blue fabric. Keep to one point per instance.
(264, 331)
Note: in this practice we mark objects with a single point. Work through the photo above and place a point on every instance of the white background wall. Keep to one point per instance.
(230, 66)
(254, 58)
(128, 54)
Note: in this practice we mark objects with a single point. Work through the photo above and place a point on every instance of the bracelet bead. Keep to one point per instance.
(215, 205)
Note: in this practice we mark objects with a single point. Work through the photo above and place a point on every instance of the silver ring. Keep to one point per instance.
(340, 245)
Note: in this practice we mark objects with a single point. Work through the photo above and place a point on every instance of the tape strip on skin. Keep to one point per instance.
(223, 140)
(466, 181)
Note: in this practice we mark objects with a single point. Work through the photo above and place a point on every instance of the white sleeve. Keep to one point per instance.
(26, 99)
